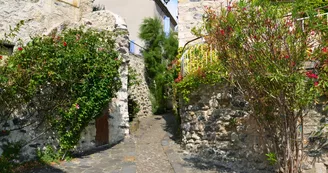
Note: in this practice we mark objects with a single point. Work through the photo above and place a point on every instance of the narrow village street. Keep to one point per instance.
(152, 149)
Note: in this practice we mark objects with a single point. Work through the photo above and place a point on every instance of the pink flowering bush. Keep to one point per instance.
(265, 54)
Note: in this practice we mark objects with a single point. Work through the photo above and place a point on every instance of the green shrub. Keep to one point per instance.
(10, 156)
(263, 52)
(48, 155)
(133, 108)
(159, 50)
(69, 77)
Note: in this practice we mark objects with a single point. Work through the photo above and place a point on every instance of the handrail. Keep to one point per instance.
(305, 18)
(195, 57)
(190, 53)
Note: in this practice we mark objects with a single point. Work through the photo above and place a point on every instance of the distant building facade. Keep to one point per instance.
(190, 13)
(134, 11)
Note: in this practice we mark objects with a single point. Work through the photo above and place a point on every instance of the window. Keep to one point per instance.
(132, 46)
(167, 23)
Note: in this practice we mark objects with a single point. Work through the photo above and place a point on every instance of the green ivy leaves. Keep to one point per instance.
(71, 76)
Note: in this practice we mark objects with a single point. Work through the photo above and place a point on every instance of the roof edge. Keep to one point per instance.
(166, 11)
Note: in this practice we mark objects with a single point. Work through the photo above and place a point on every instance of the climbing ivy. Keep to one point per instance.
(67, 78)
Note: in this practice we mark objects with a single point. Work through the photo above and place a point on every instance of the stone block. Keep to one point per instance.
(320, 168)
(195, 137)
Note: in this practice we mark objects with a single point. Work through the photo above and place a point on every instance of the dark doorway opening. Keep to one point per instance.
(102, 129)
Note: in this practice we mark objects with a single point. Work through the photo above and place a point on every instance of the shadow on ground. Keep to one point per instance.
(190, 162)
(43, 169)
(171, 126)
(50, 169)
(94, 150)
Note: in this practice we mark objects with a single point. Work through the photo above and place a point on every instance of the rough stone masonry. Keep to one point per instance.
(216, 123)
(41, 17)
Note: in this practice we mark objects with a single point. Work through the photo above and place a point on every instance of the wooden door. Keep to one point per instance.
(102, 131)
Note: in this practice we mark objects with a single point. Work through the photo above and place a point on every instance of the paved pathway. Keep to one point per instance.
(152, 149)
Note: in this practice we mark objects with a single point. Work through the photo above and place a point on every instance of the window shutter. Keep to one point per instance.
(167, 25)
(131, 46)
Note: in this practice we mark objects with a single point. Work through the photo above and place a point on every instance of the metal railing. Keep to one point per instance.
(197, 56)
(305, 18)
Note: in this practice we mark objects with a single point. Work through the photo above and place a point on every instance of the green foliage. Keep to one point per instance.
(209, 75)
(5, 165)
(309, 5)
(132, 77)
(133, 108)
(159, 50)
(151, 31)
(11, 150)
(299, 6)
(48, 155)
(64, 78)
(10, 156)
(264, 52)
(171, 46)
(272, 158)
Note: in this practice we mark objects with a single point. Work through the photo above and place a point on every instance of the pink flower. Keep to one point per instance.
(316, 83)
(229, 8)
(324, 50)
(311, 75)
(20, 48)
(286, 56)
(77, 106)
(292, 63)
(312, 32)
(222, 31)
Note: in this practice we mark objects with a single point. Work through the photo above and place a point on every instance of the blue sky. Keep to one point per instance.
(173, 7)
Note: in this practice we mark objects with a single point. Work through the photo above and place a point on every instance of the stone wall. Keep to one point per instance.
(26, 127)
(216, 123)
(190, 15)
(140, 92)
(118, 119)
(40, 16)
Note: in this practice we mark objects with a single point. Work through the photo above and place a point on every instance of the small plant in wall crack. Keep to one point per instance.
(272, 158)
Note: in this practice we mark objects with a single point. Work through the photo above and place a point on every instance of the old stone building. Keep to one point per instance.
(42, 17)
